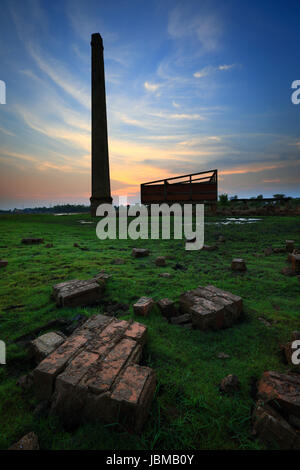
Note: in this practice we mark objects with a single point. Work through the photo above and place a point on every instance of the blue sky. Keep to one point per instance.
(191, 85)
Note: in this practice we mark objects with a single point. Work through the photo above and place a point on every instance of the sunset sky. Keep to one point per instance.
(191, 86)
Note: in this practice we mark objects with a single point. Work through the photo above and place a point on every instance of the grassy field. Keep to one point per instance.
(188, 411)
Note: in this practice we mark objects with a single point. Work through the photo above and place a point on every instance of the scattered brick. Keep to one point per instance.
(238, 264)
(76, 293)
(167, 308)
(165, 275)
(3, 263)
(160, 261)
(230, 384)
(44, 345)
(209, 247)
(139, 252)
(143, 306)
(210, 307)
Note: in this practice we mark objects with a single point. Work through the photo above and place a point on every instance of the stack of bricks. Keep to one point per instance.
(211, 308)
(94, 375)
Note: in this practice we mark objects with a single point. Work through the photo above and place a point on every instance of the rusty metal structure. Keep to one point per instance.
(195, 188)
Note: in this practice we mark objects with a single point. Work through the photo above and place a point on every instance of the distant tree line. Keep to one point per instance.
(58, 209)
(277, 199)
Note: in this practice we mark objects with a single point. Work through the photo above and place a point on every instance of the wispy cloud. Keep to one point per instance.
(208, 70)
(151, 86)
(62, 77)
(204, 27)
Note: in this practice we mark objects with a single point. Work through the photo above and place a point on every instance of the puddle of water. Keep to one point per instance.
(67, 213)
(237, 220)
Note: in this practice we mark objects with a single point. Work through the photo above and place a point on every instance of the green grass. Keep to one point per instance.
(188, 411)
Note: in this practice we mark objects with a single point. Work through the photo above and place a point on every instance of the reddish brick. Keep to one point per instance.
(138, 332)
(102, 375)
(96, 323)
(3, 263)
(281, 390)
(272, 429)
(76, 369)
(46, 372)
(111, 334)
(134, 392)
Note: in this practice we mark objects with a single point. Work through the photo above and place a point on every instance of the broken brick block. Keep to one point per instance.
(209, 247)
(76, 293)
(230, 384)
(272, 429)
(94, 375)
(281, 391)
(139, 252)
(210, 307)
(238, 264)
(45, 344)
(133, 393)
(167, 308)
(160, 261)
(138, 332)
(3, 263)
(143, 306)
(45, 373)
